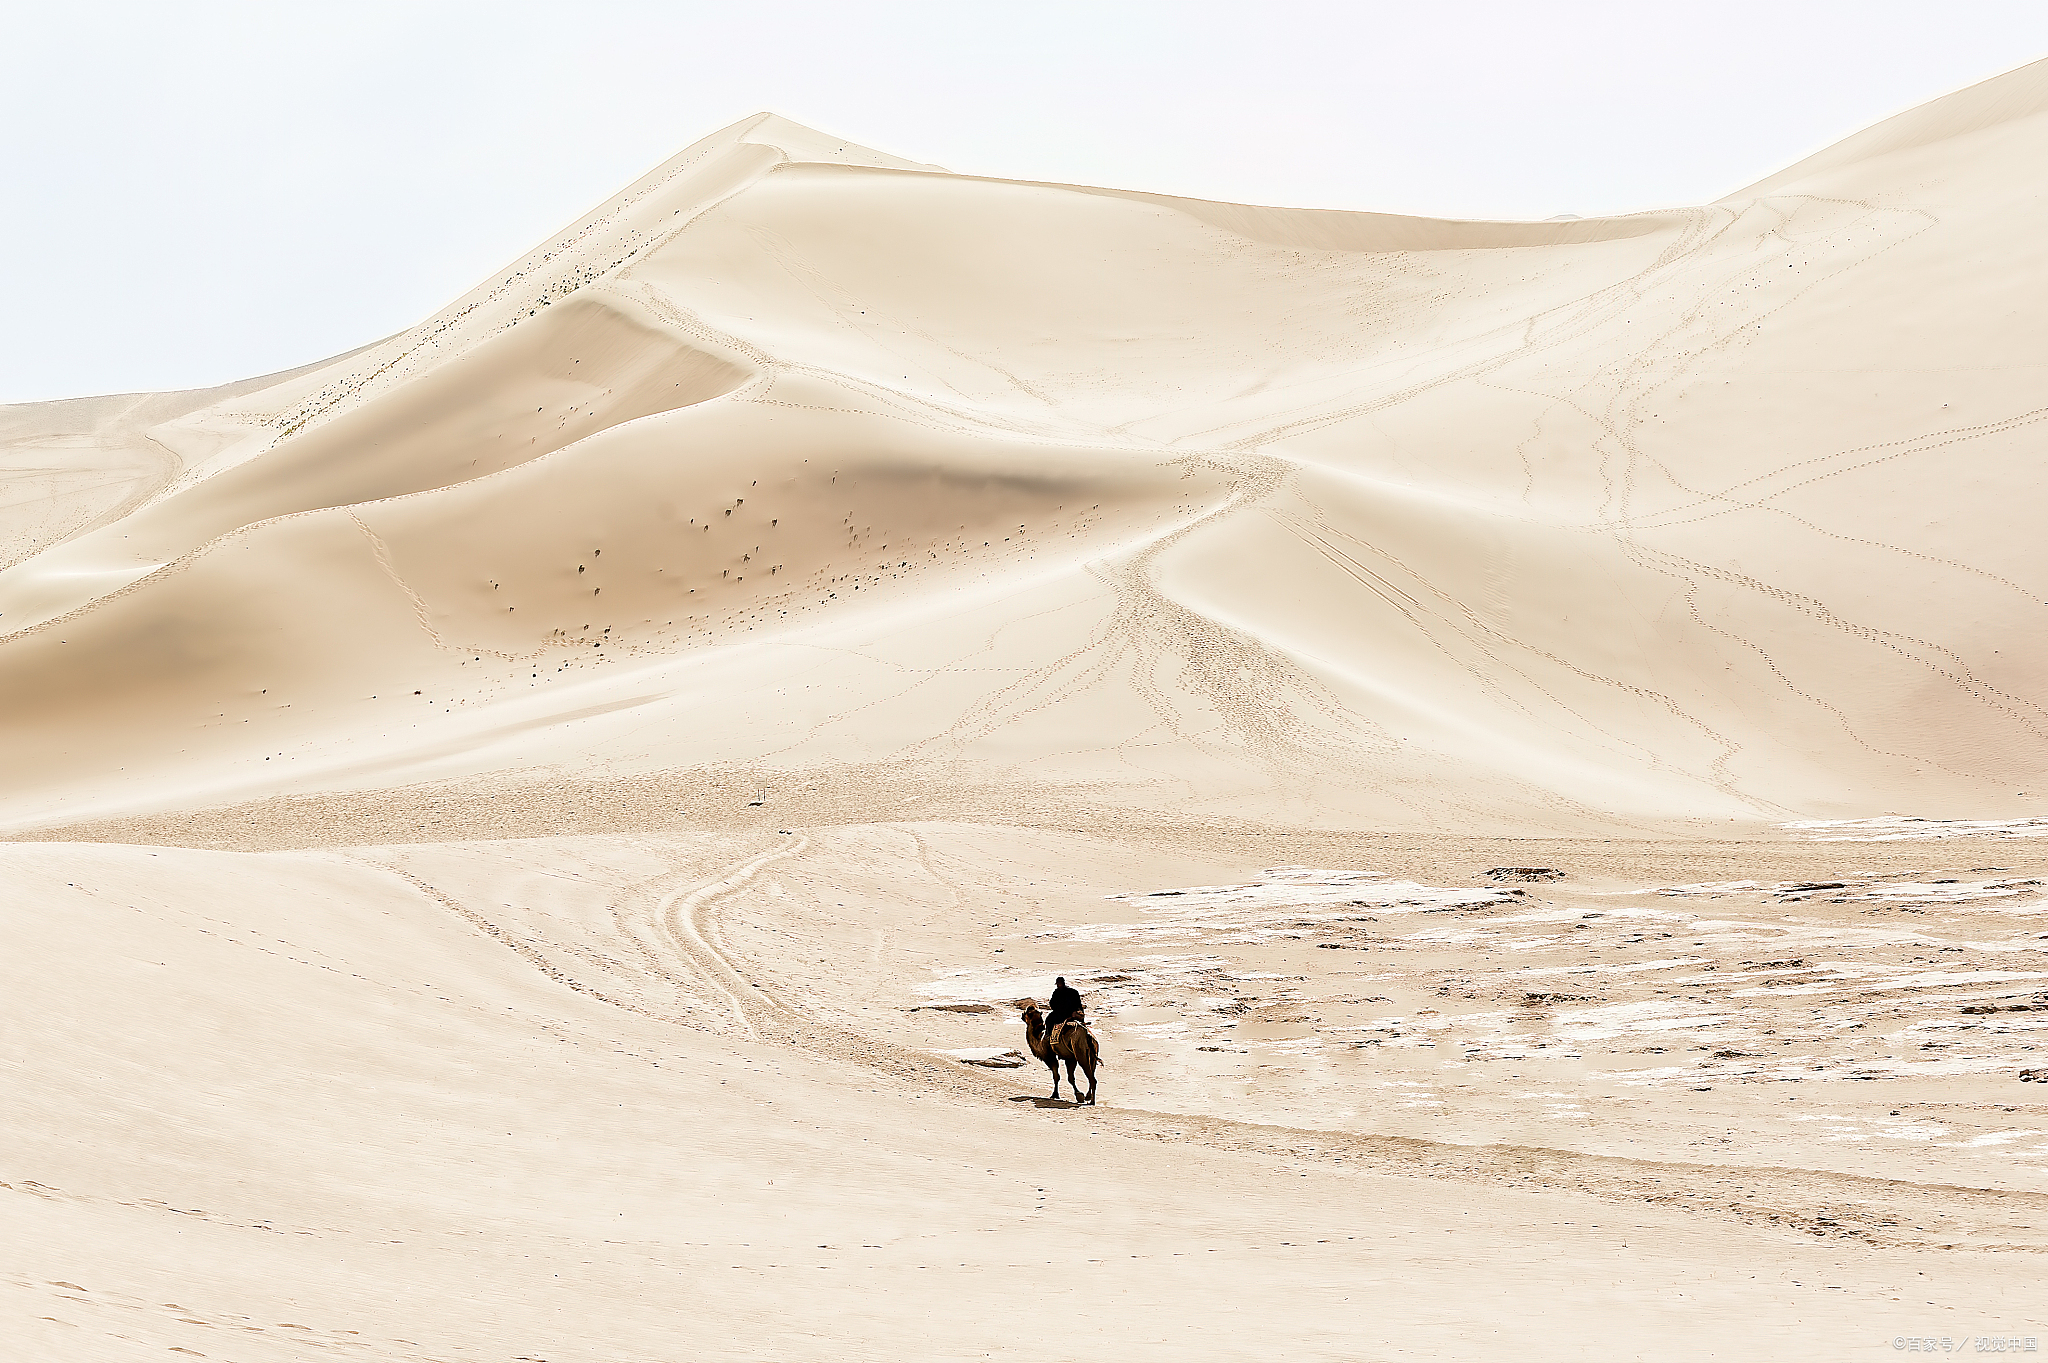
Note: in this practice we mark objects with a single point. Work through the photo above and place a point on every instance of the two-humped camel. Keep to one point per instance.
(1071, 1042)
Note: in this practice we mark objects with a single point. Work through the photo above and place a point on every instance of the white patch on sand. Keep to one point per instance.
(1902, 829)
(1863, 889)
(1997, 1138)
(1630, 969)
(1656, 1015)
(1286, 900)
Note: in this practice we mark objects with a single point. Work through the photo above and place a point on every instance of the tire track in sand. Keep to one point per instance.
(685, 917)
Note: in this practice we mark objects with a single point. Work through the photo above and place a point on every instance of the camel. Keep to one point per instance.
(1071, 1042)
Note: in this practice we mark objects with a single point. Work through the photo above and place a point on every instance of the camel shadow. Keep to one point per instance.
(1042, 1103)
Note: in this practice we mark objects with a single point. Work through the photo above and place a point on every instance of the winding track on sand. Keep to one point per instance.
(685, 917)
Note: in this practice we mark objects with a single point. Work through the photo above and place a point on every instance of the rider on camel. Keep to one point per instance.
(1065, 1006)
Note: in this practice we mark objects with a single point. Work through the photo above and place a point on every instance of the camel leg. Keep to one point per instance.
(1053, 1064)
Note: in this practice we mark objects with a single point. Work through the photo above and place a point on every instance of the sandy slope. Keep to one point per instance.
(1702, 514)
(494, 810)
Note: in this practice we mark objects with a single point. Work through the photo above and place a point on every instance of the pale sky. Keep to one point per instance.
(200, 192)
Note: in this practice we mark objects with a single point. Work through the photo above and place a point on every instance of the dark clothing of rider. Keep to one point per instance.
(1065, 1004)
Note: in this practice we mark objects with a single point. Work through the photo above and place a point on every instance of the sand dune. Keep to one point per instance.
(492, 812)
(1694, 515)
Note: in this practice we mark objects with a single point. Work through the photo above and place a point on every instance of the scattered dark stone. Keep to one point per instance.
(1526, 875)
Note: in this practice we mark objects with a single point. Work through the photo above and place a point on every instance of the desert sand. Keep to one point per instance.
(525, 841)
